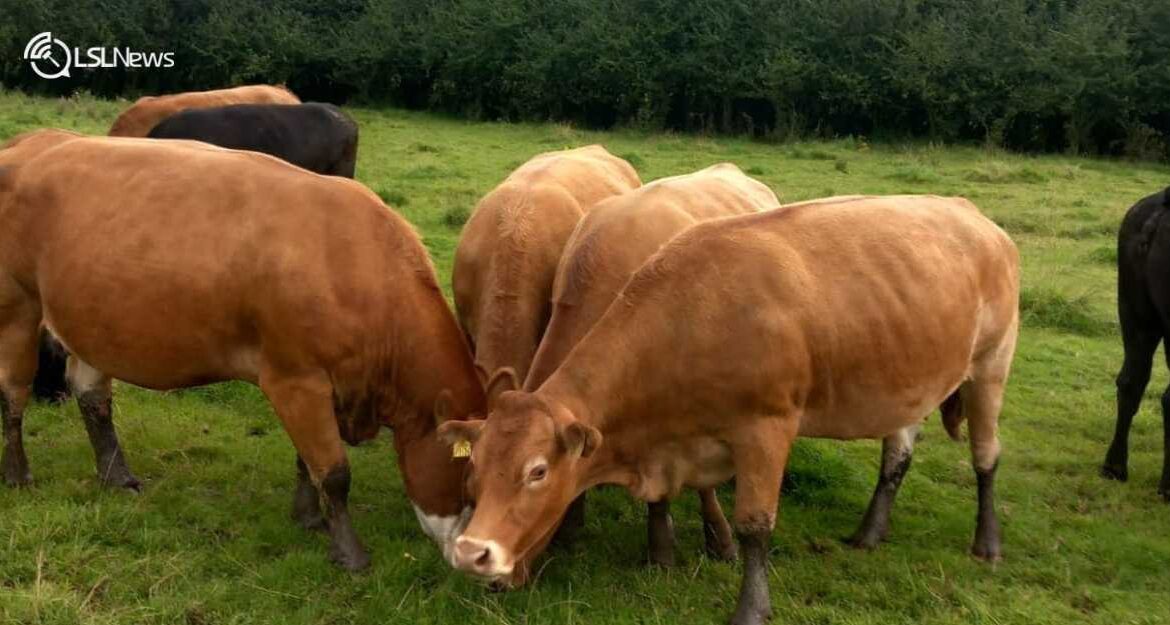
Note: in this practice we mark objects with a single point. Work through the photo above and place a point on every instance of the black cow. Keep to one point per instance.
(317, 137)
(1143, 306)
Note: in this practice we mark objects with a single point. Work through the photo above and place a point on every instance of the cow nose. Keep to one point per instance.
(479, 557)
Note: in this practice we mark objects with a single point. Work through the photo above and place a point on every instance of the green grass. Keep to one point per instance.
(210, 541)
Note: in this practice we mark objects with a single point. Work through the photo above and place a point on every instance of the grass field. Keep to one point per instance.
(210, 541)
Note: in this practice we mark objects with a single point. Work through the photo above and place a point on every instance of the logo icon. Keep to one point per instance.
(48, 57)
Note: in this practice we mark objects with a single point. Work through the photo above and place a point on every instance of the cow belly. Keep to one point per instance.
(877, 416)
(700, 462)
(153, 355)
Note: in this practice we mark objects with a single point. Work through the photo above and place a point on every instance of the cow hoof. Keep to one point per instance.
(751, 617)
(1114, 472)
(662, 557)
(312, 523)
(987, 551)
(129, 483)
(1164, 491)
(351, 559)
(17, 479)
(723, 552)
(863, 541)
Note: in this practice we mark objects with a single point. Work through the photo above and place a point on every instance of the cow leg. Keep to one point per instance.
(305, 407)
(982, 400)
(660, 533)
(1140, 343)
(14, 463)
(1164, 486)
(94, 392)
(897, 451)
(760, 459)
(306, 500)
(19, 321)
(717, 538)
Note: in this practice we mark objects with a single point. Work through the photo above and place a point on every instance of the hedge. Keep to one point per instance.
(1089, 76)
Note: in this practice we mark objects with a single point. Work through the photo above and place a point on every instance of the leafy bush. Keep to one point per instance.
(1056, 75)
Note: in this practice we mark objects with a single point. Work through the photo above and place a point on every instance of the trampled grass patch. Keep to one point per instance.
(209, 541)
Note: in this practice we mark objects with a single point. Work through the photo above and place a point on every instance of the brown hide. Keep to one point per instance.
(507, 255)
(143, 115)
(172, 263)
(619, 234)
(845, 318)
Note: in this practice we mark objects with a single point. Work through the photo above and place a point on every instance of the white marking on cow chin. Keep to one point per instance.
(444, 529)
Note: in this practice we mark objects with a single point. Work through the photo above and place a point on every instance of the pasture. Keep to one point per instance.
(209, 541)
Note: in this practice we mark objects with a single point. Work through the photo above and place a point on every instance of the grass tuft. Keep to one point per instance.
(811, 154)
(392, 198)
(1106, 255)
(916, 174)
(1044, 307)
(456, 216)
(634, 159)
(1000, 172)
(425, 148)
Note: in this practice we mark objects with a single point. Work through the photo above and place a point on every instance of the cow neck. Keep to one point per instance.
(431, 357)
(595, 387)
(433, 362)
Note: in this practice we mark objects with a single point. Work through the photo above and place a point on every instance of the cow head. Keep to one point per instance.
(527, 462)
(434, 478)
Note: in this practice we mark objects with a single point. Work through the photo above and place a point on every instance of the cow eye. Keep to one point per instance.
(537, 473)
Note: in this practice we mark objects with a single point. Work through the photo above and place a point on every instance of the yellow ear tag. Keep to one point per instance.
(462, 449)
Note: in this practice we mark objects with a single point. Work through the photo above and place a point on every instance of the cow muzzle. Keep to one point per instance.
(485, 559)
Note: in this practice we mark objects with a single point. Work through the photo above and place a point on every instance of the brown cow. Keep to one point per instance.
(608, 246)
(838, 319)
(173, 263)
(144, 114)
(508, 252)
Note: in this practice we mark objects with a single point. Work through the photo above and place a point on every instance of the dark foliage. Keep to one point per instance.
(1076, 75)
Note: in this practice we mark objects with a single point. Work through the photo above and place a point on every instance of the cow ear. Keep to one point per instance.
(444, 407)
(579, 439)
(460, 432)
(504, 379)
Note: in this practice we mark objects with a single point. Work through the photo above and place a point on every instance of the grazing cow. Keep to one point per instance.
(838, 319)
(508, 252)
(1143, 306)
(608, 246)
(171, 264)
(144, 114)
(319, 137)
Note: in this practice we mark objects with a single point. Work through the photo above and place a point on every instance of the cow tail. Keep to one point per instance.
(952, 415)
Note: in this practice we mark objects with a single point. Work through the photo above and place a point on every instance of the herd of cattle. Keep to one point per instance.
(661, 336)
